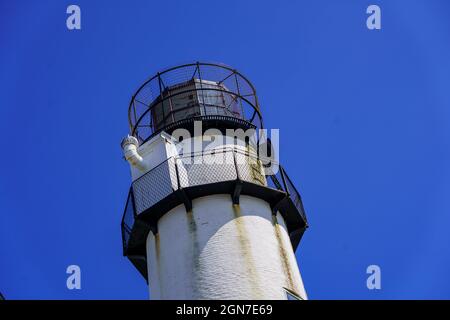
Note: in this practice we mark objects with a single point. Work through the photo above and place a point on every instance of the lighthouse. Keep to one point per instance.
(210, 213)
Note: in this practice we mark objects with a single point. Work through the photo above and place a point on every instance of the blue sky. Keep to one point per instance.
(363, 118)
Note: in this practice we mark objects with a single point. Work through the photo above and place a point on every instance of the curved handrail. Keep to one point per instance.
(149, 105)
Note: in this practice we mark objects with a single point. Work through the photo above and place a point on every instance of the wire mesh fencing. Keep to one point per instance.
(192, 91)
(198, 169)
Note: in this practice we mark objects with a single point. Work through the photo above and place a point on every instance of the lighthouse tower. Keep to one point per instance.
(208, 215)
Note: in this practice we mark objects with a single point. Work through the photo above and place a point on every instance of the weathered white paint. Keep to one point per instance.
(222, 251)
(145, 157)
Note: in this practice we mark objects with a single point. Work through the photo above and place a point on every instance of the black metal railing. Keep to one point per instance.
(195, 169)
(191, 90)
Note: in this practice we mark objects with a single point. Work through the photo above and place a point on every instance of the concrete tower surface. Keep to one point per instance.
(208, 216)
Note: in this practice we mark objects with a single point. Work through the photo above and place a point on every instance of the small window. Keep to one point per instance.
(291, 295)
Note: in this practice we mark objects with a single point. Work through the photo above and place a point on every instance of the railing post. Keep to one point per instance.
(238, 185)
(286, 189)
(201, 86)
(177, 172)
(162, 98)
(180, 191)
(133, 202)
(238, 176)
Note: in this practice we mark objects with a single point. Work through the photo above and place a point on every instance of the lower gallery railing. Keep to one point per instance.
(206, 168)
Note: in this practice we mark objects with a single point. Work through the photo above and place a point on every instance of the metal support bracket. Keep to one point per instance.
(153, 227)
(236, 191)
(278, 205)
(185, 199)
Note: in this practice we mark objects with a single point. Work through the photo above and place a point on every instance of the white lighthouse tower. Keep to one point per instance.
(208, 216)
